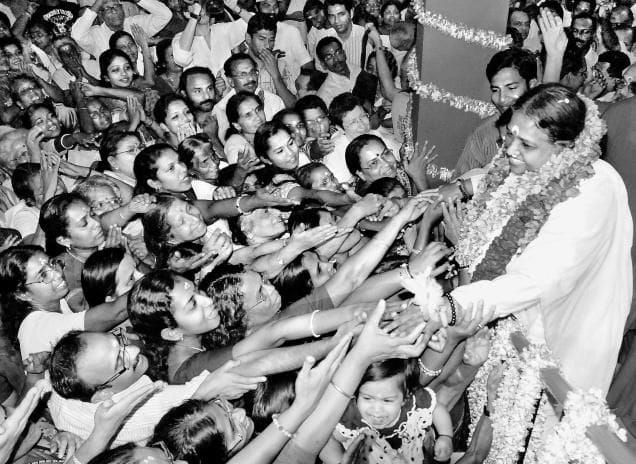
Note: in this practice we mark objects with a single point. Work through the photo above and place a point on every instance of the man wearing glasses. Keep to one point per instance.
(94, 39)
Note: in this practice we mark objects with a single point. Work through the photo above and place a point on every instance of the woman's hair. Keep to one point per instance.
(384, 186)
(304, 216)
(99, 275)
(273, 396)
(303, 173)
(228, 300)
(21, 181)
(124, 454)
(157, 230)
(264, 133)
(278, 117)
(53, 220)
(341, 105)
(187, 147)
(160, 111)
(352, 153)
(47, 105)
(555, 109)
(150, 311)
(390, 61)
(293, 282)
(191, 434)
(162, 48)
(232, 109)
(85, 187)
(13, 278)
(145, 167)
(106, 58)
(112, 42)
(109, 144)
(388, 3)
(388, 368)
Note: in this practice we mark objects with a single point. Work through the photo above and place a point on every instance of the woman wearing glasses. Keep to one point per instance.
(34, 313)
(118, 152)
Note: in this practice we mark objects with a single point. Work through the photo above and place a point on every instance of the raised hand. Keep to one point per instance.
(64, 444)
(140, 36)
(141, 204)
(477, 348)
(114, 238)
(248, 161)
(453, 214)
(428, 259)
(223, 193)
(315, 236)
(222, 383)
(554, 38)
(418, 164)
(10, 241)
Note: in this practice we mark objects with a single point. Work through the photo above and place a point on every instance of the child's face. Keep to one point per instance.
(380, 401)
(322, 179)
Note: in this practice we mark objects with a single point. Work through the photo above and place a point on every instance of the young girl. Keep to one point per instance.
(395, 417)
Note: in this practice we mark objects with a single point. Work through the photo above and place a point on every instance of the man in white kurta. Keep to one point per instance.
(572, 285)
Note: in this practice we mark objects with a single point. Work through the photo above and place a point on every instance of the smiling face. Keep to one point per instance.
(172, 175)
(46, 282)
(506, 87)
(47, 121)
(237, 428)
(380, 401)
(376, 161)
(185, 221)
(100, 115)
(83, 230)
(527, 146)
(14, 54)
(261, 300)
(193, 311)
(178, 115)
(356, 122)
(119, 73)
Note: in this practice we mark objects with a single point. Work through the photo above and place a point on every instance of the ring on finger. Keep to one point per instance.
(480, 326)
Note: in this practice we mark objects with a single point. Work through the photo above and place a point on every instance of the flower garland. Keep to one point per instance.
(487, 39)
(568, 442)
(432, 92)
(508, 211)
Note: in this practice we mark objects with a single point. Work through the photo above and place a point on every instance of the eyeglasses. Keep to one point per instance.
(387, 156)
(316, 122)
(340, 52)
(227, 409)
(109, 8)
(131, 151)
(245, 75)
(122, 358)
(163, 447)
(296, 127)
(45, 276)
(359, 120)
(105, 203)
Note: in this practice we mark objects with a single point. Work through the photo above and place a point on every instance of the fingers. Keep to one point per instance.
(376, 315)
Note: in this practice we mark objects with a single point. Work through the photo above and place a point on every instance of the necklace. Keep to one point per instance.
(74, 256)
(200, 350)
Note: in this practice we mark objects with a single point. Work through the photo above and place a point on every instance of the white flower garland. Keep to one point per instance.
(485, 38)
(432, 92)
(482, 225)
(568, 442)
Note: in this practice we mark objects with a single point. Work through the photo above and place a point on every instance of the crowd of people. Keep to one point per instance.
(219, 242)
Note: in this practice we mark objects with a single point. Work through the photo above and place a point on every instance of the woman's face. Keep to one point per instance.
(126, 275)
(261, 300)
(83, 230)
(323, 179)
(178, 115)
(380, 401)
(185, 221)
(15, 57)
(237, 428)
(103, 199)
(192, 310)
(372, 66)
(45, 280)
(172, 175)
(320, 271)
(527, 146)
(390, 16)
(123, 160)
(40, 38)
(119, 72)
(47, 121)
(251, 116)
(100, 115)
(266, 223)
(356, 122)
(205, 164)
(297, 127)
(127, 45)
(376, 161)
(283, 151)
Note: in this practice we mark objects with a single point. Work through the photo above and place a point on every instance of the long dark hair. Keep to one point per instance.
(145, 166)
(99, 275)
(53, 220)
(228, 299)
(293, 282)
(106, 58)
(157, 230)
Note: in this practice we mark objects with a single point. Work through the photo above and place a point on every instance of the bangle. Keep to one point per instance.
(62, 142)
(340, 390)
(426, 371)
(462, 189)
(195, 16)
(282, 429)
(453, 319)
(238, 204)
(440, 435)
(311, 324)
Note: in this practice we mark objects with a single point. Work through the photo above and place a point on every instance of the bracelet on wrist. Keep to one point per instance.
(426, 371)
(451, 301)
(440, 435)
(282, 429)
(311, 324)
(237, 204)
(341, 391)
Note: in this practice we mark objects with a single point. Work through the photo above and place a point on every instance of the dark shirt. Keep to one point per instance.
(61, 16)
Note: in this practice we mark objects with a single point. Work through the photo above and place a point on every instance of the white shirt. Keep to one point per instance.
(223, 37)
(335, 84)
(572, 285)
(272, 104)
(41, 330)
(289, 40)
(94, 39)
(313, 37)
(23, 218)
(78, 416)
(352, 45)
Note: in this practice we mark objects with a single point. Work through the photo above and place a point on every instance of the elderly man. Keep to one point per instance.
(94, 39)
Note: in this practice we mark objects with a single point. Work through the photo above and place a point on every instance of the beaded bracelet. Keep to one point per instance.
(453, 319)
(282, 429)
(426, 371)
(311, 324)
(238, 204)
(341, 391)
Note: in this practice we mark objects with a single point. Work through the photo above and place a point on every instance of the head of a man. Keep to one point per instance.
(197, 83)
(261, 33)
(332, 56)
(339, 16)
(582, 30)
(621, 15)
(26, 91)
(272, 8)
(583, 6)
(93, 366)
(314, 113)
(112, 13)
(402, 35)
(242, 72)
(510, 73)
(519, 20)
(13, 149)
(314, 14)
(611, 65)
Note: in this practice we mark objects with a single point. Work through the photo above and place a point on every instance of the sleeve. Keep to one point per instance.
(41, 330)
(294, 454)
(474, 153)
(25, 222)
(297, 47)
(159, 15)
(181, 56)
(233, 32)
(553, 263)
(80, 31)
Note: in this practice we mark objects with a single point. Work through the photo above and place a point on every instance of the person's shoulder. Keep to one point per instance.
(627, 105)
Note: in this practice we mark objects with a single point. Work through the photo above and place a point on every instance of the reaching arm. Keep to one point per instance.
(105, 316)
(80, 30)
